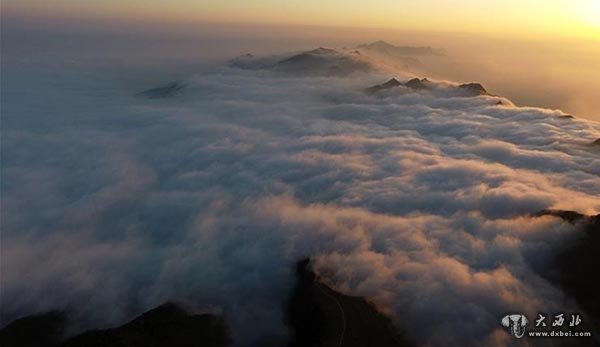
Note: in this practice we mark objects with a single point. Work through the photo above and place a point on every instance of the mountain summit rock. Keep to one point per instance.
(423, 84)
(473, 89)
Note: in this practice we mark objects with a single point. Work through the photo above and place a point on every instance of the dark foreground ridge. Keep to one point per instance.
(320, 316)
(316, 315)
(166, 325)
(575, 267)
(45, 329)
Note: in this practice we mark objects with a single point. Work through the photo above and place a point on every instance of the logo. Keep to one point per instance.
(515, 323)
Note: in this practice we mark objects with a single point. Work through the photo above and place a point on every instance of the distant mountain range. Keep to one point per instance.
(329, 62)
(317, 62)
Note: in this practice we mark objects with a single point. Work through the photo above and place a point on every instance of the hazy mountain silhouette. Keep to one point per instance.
(166, 91)
(317, 62)
(382, 47)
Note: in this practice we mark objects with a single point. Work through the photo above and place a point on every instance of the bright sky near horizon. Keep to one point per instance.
(517, 18)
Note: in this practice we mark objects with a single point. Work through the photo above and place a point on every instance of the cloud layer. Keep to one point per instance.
(418, 201)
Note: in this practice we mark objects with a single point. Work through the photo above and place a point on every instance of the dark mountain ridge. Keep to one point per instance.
(315, 314)
(468, 89)
(575, 265)
(165, 325)
(321, 316)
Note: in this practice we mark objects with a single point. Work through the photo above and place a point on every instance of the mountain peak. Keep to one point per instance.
(418, 84)
(392, 83)
(322, 50)
(474, 88)
(380, 43)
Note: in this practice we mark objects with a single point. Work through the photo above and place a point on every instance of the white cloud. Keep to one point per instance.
(417, 201)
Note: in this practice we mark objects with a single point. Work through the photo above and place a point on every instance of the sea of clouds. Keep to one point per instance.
(113, 204)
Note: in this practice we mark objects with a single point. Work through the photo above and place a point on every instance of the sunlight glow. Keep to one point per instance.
(591, 12)
(509, 18)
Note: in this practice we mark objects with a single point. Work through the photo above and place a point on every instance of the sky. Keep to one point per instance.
(551, 18)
